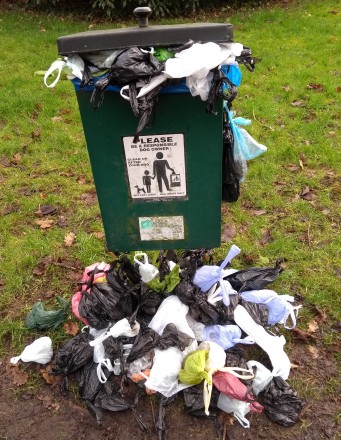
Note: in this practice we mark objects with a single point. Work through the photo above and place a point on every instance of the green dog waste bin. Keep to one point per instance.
(164, 191)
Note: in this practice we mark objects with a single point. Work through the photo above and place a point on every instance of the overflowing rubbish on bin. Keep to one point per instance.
(186, 340)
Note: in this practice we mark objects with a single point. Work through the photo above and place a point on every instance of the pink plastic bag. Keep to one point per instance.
(100, 276)
(231, 386)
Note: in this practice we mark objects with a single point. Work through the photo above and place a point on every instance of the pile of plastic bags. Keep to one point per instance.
(178, 327)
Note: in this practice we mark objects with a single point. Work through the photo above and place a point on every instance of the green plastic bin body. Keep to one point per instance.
(136, 214)
(163, 192)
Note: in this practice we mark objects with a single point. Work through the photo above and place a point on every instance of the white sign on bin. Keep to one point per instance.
(156, 166)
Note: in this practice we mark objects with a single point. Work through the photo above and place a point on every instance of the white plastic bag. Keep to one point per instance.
(272, 345)
(237, 407)
(121, 328)
(164, 373)
(39, 351)
(173, 311)
(147, 271)
(279, 306)
(262, 378)
(73, 62)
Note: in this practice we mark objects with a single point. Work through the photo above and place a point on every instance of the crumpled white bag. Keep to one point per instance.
(195, 64)
(237, 407)
(147, 271)
(120, 328)
(39, 351)
(272, 345)
(262, 378)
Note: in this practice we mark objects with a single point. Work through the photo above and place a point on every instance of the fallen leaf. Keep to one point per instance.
(57, 119)
(297, 103)
(313, 326)
(36, 134)
(45, 210)
(313, 351)
(45, 224)
(286, 88)
(89, 198)
(14, 207)
(338, 89)
(16, 158)
(307, 194)
(62, 221)
(69, 239)
(294, 366)
(266, 238)
(81, 180)
(258, 212)
(18, 376)
(301, 165)
(48, 402)
(98, 235)
(49, 378)
(228, 232)
(293, 168)
(317, 87)
(301, 334)
(71, 328)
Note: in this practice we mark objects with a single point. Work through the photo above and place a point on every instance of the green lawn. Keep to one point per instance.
(290, 201)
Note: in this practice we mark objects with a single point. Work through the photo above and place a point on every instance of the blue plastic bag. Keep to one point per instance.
(279, 306)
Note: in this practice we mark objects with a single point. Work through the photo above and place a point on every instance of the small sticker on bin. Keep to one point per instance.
(162, 228)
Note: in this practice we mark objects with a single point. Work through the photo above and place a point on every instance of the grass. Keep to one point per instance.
(294, 103)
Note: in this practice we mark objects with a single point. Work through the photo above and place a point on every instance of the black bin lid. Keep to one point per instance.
(144, 36)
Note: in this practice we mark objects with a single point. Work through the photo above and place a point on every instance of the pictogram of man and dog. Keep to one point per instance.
(160, 167)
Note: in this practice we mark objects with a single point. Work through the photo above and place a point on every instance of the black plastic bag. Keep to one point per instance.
(99, 306)
(281, 403)
(108, 399)
(199, 308)
(129, 66)
(75, 353)
(143, 107)
(254, 278)
(147, 339)
(230, 176)
(160, 424)
(258, 312)
(129, 269)
(192, 260)
(87, 380)
(216, 91)
(194, 401)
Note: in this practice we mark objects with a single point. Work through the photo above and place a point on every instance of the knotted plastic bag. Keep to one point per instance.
(39, 351)
(72, 64)
(231, 386)
(40, 319)
(193, 371)
(279, 306)
(148, 339)
(147, 271)
(225, 335)
(207, 276)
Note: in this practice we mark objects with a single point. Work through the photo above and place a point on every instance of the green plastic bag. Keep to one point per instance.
(171, 280)
(162, 54)
(40, 319)
(194, 372)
